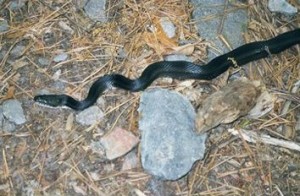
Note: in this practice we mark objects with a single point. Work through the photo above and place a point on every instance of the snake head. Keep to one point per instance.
(50, 100)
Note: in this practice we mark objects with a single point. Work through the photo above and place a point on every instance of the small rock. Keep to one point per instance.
(56, 75)
(96, 10)
(90, 116)
(168, 27)
(13, 111)
(169, 144)
(17, 51)
(131, 161)
(66, 27)
(118, 143)
(43, 61)
(60, 57)
(224, 106)
(49, 36)
(122, 53)
(3, 26)
(281, 6)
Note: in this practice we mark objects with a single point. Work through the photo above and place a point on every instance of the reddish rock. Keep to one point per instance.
(118, 143)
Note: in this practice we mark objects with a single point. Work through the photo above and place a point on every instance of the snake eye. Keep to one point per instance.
(49, 100)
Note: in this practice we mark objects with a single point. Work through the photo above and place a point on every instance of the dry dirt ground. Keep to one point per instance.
(47, 155)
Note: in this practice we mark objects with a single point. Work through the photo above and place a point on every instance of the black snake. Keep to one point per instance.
(177, 69)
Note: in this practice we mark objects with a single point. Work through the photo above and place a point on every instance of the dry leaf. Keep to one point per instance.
(158, 40)
(10, 93)
(187, 49)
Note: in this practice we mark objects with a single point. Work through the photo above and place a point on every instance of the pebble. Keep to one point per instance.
(43, 62)
(281, 6)
(90, 116)
(66, 27)
(60, 57)
(233, 26)
(3, 25)
(49, 36)
(118, 143)
(17, 51)
(56, 75)
(169, 144)
(168, 27)
(13, 111)
(95, 10)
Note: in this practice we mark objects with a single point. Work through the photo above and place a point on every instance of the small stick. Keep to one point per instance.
(253, 137)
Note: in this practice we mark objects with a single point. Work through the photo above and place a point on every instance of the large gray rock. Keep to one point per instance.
(169, 144)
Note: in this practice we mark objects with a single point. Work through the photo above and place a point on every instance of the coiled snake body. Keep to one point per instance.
(177, 69)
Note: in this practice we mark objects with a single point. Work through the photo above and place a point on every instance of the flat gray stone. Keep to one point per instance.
(169, 144)
(209, 14)
(13, 111)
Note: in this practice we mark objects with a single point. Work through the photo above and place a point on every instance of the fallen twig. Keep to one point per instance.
(253, 137)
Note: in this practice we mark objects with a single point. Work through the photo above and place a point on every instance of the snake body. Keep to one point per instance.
(177, 69)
